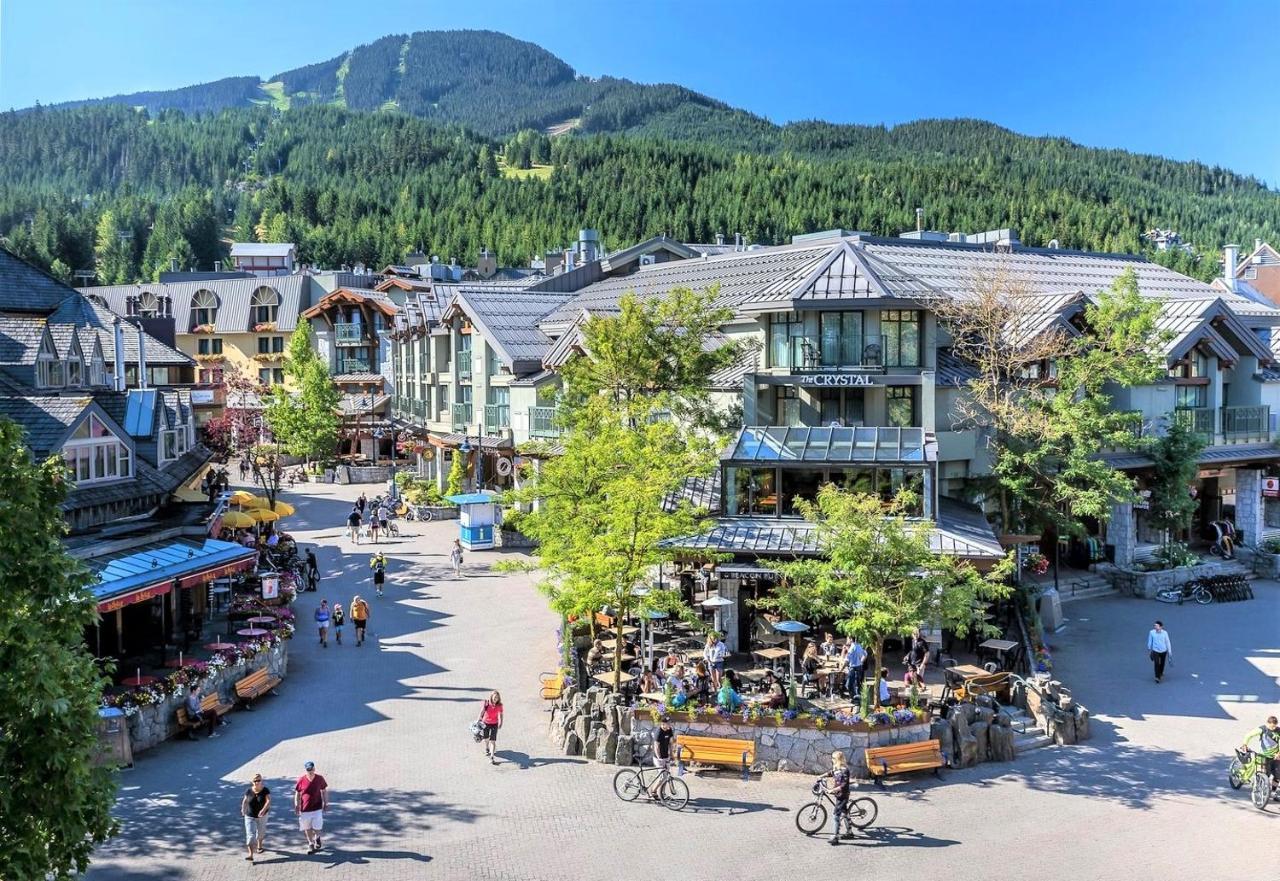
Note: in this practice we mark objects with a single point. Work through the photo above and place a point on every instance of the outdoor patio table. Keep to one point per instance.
(263, 619)
(252, 631)
(607, 678)
(656, 696)
(967, 671)
(627, 630)
(137, 681)
(774, 654)
(999, 646)
(625, 658)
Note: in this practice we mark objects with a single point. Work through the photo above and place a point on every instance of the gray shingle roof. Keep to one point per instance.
(506, 318)
(80, 311)
(953, 370)
(24, 288)
(46, 419)
(234, 295)
(20, 336)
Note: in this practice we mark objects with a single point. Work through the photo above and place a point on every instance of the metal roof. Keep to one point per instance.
(507, 319)
(782, 444)
(730, 378)
(1217, 455)
(262, 249)
(234, 296)
(161, 561)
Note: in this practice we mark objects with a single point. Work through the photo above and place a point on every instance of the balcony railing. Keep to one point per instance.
(835, 353)
(349, 334)
(542, 422)
(1199, 419)
(497, 417)
(1245, 424)
(461, 416)
(464, 364)
(353, 365)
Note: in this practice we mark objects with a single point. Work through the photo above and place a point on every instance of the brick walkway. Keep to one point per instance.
(413, 798)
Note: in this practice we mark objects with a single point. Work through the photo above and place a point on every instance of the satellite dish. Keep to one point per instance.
(503, 467)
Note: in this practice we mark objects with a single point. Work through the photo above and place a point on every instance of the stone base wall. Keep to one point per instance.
(1147, 583)
(511, 538)
(157, 723)
(443, 512)
(1266, 565)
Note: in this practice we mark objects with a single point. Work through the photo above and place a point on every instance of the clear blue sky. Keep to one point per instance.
(1180, 79)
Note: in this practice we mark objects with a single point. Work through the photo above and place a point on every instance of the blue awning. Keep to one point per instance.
(140, 573)
(480, 498)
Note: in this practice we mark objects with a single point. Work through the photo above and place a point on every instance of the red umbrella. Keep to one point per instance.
(220, 646)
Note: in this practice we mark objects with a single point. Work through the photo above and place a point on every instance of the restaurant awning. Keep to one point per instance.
(781, 444)
(142, 573)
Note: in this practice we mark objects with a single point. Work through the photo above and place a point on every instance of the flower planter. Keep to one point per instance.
(1147, 583)
(512, 538)
(1265, 564)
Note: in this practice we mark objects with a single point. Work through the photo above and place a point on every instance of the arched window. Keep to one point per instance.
(264, 305)
(204, 308)
(149, 305)
(166, 306)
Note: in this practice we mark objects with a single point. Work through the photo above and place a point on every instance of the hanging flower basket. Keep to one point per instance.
(264, 327)
(202, 328)
(1036, 563)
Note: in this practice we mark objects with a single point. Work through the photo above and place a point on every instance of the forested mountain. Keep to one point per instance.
(121, 190)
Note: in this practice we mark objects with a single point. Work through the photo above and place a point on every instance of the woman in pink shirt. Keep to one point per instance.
(491, 719)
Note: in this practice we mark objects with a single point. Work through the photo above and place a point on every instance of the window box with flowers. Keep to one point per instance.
(203, 328)
(264, 327)
(264, 357)
(210, 359)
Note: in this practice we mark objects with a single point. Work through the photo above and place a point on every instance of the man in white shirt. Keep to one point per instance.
(1160, 648)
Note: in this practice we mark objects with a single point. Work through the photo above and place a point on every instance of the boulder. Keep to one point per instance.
(591, 747)
(611, 718)
(623, 750)
(1000, 741)
(609, 748)
(572, 745)
(959, 725)
(984, 714)
(626, 717)
(786, 765)
(979, 731)
(580, 702)
(1082, 723)
(940, 731)
(966, 754)
(582, 728)
(985, 701)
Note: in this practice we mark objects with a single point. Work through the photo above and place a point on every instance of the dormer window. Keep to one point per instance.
(264, 305)
(50, 370)
(75, 371)
(97, 370)
(174, 443)
(94, 454)
(204, 309)
(149, 305)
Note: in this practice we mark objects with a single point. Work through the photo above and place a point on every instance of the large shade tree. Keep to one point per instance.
(55, 802)
(878, 576)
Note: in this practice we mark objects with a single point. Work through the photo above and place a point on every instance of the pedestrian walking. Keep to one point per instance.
(254, 807)
(378, 563)
(855, 659)
(374, 525)
(353, 523)
(1159, 648)
(491, 721)
(310, 801)
(838, 789)
(714, 653)
(338, 620)
(362, 503)
(244, 470)
(323, 616)
(359, 616)
(313, 570)
(455, 558)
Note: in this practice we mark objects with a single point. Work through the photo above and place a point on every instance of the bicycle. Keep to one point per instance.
(812, 818)
(1192, 590)
(629, 783)
(1251, 767)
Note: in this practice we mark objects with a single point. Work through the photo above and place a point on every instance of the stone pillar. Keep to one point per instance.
(1249, 505)
(1122, 532)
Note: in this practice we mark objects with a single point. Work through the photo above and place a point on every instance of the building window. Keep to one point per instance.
(270, 345)
(788, 405)
(264, 305)
(900, 333)
(51, 372)
(210, 377)
(492, 363)
(443, 397)
(900, 406)
(1190, 397)
(271, 376)
(93, 453)
(788, 345)
(204, 309)
(1194, 366)
(840, 406)
(841, 336)
(173, 443)
(207, 346)
(751, 492)
(149, 305)
(75, 372)
(97, 370)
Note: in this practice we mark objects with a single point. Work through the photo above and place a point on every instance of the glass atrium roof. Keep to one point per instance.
(783, 444)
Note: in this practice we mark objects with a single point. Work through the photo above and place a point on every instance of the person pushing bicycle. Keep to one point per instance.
(1268, 737)
(837, 786)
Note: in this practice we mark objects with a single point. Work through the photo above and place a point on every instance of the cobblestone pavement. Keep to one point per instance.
(413, 798)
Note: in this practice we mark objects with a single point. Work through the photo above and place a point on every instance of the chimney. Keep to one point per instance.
(118, 378)
(142, 357)
(1230, 257)
(737, 241)
(919, 219)
(719, 238)
(588, 245)
(217, 265)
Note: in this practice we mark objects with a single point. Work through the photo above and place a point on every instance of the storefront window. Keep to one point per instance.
(800, 483)
(751, 491)
(890, 481)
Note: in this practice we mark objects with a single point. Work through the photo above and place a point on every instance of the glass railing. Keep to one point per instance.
(353, 365)
(1246, 423)
(461, 416)
(464, 364)
(835, 353)
(542, 422)
(348, 334)
(1199, 419)
(497, 417)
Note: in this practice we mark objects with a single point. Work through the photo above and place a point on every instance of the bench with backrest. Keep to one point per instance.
(715, 751)
(185, 725)
(994, 683)
(552, 685)
(214, 705)
(904, 758)
(255, 685)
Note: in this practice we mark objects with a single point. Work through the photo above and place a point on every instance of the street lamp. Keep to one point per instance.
(791, 628)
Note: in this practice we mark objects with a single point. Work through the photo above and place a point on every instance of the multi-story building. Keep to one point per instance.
(265, 258)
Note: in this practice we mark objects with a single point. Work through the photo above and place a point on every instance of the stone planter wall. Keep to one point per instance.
(158, 722)
(1147, 583)
(1266, 565)
(511, 538)
(443, 512)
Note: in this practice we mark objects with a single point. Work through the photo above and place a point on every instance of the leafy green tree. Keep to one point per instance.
(878, 576)
(1174, 466)
(604, 519)
(300, 354)
(55, 803)
(457, 474)
(111, 252)
(305, 420)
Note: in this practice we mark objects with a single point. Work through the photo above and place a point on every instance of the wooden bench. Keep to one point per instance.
(715, 751)
(552, 685)
(904, 758)
(255, 685)
(185, 725)
(214, 705)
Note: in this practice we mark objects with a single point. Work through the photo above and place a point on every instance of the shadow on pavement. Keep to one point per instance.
(523, 760)
(729, 807)
(895, 836)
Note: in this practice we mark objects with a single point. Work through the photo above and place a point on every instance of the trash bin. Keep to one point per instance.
(114, 748)
(1051, 610)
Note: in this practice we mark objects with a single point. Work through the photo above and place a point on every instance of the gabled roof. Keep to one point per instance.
(618, 260)
(1210, 323)
(25, 288)
(80, 311)
(349, 297)
(1262, 255)
(506, 319)
(47, 419)
(234, 296)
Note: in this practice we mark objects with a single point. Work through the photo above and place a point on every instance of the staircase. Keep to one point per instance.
(1235, 567)
(1084, 586)
(1028, 734)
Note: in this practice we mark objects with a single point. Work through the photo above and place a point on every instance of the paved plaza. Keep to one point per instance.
(412, 796)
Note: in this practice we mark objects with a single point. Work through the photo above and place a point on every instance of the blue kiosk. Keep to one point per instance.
(476, 516)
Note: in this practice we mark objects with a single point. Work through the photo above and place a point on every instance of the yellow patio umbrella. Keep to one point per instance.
(237, 520)
(257, 502)
(284, 509)
(262, 515)
(240, 497)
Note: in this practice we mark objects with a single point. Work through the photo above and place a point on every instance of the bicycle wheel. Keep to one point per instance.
(863, 812)
(1235, 774)
(1169, 595)
(1261, 791)
(811, 818)
(426, 516)
(674, 793)
(1202, 596)
(627, 784)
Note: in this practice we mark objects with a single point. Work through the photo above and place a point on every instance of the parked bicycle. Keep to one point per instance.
(812, 818)
(1251, 767)
(414, 512)
(630, 783)
(1192, 590)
